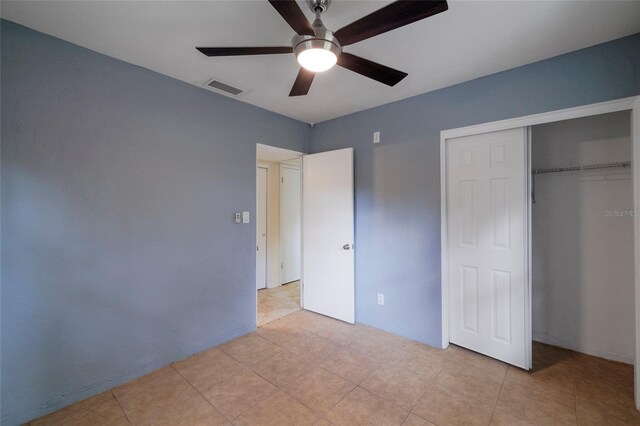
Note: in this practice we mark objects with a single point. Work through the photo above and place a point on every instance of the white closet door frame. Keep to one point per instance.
(626, 104)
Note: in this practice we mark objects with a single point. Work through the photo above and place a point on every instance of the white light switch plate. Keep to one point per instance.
(376, 137)
(245, 217)
(380, 299)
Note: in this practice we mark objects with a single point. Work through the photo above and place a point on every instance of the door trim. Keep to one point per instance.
(630, 103)
(266, 221)
(299, 169)
(635, 155)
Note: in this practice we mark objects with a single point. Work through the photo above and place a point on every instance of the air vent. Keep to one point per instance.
(215, 84)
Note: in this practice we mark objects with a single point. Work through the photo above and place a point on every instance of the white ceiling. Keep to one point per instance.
(470, 40)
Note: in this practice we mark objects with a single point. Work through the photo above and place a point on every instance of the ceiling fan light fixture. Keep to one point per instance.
(316, 54)
(317, 60)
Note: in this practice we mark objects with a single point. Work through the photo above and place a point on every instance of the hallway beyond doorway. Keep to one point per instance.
(274, 303)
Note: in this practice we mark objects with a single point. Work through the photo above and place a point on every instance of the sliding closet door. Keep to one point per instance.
(487, 244)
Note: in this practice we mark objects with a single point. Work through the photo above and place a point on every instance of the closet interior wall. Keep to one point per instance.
(582, 237)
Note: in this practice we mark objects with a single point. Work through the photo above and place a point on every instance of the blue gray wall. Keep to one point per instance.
(398, 181)
(119, 250)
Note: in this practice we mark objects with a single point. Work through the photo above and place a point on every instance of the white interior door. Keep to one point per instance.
(261, 227)
(327, 234)
(290, 225)
(487, 239)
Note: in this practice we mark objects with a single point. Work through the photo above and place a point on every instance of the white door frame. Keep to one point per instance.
(632, 104)
(298, 168)
(266, 223)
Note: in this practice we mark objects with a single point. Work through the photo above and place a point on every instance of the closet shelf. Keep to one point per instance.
(621, 164)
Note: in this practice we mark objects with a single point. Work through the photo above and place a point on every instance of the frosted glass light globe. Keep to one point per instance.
(317, 60)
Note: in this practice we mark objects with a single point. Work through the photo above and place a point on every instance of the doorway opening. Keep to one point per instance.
(278, 232)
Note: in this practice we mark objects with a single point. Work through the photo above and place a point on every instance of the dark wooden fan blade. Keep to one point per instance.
(240, 51)
(370, 69)
(395, 15)
(303, 83)
(292, 13)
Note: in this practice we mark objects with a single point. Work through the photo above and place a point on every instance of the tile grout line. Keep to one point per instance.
(336, 404)
(356, 385)
(496, 404)
(435, 376)
(322, 416)
(302, 402)
(245, 368)
(338, 374)
(377, 368)
(120, 406)
(474, 398)
(341, 399)
(380, 396)
(278, 387)
(199, 393)
(251, 406)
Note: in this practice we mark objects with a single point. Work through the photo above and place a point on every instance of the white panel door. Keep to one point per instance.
(327, 234)
(290, 224)
(487, 244)
(261, 227)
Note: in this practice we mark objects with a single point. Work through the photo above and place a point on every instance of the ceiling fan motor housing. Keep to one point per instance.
(323, 39)
(318, 5)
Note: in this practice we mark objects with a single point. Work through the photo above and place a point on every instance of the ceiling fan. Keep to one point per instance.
(317, 49)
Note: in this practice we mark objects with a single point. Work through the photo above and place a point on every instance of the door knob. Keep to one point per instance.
(346, 247)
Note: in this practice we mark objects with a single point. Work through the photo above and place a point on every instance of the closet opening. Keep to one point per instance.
(541, 246)
(582, 249)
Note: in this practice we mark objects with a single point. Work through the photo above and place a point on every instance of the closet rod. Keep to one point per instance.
(534, 172)
(587, 167)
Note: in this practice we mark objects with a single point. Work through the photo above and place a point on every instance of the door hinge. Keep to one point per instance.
(282, 266)
(282, 180)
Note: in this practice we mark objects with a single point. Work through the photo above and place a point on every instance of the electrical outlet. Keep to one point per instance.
(238, 218)
(376, 137)
(380, 299)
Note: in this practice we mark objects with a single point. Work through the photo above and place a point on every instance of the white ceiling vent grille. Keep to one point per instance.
(215, 84)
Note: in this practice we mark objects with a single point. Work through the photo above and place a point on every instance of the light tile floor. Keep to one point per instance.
(308, 369)
(274, 303)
